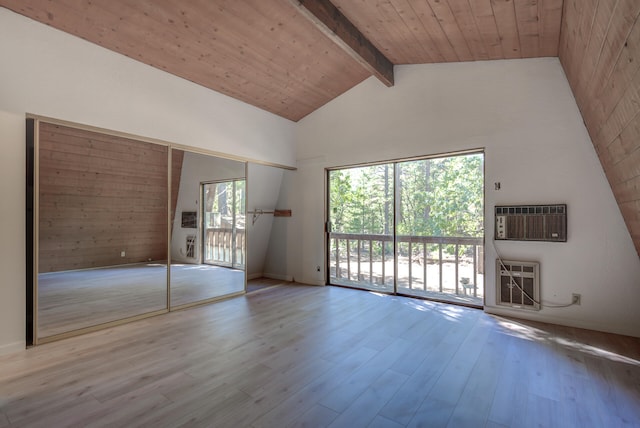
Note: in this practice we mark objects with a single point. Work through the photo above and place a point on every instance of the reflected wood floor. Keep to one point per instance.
(326, 356)
(72, 300)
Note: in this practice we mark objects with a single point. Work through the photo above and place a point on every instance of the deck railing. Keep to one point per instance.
(368, 260)
(220, 245)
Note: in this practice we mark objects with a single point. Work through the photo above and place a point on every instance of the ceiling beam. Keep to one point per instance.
(331, 22)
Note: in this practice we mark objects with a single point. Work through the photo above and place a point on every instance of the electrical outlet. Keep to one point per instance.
(576, 299)
(318, 268)
(122, 254)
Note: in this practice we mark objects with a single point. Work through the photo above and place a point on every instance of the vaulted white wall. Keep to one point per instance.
(523, 114)
(47, 72)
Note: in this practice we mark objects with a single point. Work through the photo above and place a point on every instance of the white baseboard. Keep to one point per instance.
(11, 348)
(279, 277)
(311, 282)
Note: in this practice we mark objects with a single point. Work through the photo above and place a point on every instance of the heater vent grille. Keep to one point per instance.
(512, 278)
(191, 246)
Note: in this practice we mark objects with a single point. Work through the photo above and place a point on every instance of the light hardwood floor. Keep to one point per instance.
(326, 356)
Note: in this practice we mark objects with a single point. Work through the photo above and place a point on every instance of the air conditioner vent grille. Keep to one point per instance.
(531, 223)
(512, 278)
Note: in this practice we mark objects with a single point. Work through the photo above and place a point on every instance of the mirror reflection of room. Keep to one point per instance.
(104, 225)
(102, 228)
(208, 245)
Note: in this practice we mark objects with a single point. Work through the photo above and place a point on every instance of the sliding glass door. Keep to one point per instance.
(224, 223)
(361, 221)
(411, 227)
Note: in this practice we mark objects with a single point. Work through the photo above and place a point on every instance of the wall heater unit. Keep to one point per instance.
(512, 278)
(531, 222)
(191, 246)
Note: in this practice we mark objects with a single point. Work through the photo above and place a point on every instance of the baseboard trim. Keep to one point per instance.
(279, 277)
(11, 348)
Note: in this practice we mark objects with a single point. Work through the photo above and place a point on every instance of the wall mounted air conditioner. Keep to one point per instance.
(518, 284)
(531, 222)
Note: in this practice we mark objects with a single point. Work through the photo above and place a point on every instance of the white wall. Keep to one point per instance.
(277, 261)
(12, 231)
(50, 73)
(523, 114)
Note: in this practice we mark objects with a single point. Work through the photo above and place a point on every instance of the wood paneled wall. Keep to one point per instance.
(600, 53)
(100, 195)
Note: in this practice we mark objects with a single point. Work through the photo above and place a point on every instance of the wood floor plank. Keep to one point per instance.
(454, 378)
(404, 405)
(364, 409)
(382, 422)
(577, 403)
(481, 387)
(315, 356)
(278, 389)
(305, 399)
(316, 417)
(513, 385)
(131, 408)
(432, 413)
(343, 396)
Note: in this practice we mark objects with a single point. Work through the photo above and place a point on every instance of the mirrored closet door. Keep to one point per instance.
(122, 228)
(101, 228)
(208, 239)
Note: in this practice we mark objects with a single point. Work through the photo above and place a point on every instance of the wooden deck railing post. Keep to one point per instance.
(338, 258)
(440, 261)
(359, 256)
(376, 242)
(370, 262)
(384, 250)
(410, 265)
(424, 266)
(457, 262)
(348, 260)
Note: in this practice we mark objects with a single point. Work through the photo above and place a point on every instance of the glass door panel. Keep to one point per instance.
(239, 228)
(440, 227)
(361, 227)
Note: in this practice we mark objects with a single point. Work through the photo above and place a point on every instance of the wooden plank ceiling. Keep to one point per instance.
(268, 53)
(600, 53)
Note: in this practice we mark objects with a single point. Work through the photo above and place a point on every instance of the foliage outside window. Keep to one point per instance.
(438, 197)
